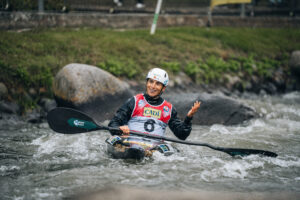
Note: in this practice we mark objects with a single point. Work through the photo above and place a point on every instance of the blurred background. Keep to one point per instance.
(255, 8)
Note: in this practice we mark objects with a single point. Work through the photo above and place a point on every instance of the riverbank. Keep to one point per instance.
(234, 60)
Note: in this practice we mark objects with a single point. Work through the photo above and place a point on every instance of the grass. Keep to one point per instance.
(31, 59)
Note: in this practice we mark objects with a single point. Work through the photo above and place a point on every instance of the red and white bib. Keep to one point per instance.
(150, 119)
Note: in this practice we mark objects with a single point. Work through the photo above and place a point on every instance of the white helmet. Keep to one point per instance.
(159, 75)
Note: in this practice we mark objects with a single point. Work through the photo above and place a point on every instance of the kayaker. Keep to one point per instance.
(150, 113)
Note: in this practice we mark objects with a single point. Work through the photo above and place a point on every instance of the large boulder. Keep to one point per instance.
(90, 89)
(214, 109)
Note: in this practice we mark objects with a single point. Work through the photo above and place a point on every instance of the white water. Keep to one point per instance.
(37, 163)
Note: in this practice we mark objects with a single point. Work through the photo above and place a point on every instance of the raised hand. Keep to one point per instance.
(194, 109)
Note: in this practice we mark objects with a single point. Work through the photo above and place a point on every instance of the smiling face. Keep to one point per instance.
(154, 88)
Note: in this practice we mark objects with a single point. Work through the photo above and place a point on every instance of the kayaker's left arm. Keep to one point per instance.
(182, 129)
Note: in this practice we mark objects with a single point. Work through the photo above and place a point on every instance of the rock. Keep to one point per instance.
(255, 84)
(9, 107)
(248, 86)
(47, 104)
(35, 116)
(3, 91)
(182, 80)
(270, 88)
(214, 109)
(279, 80)
(231, 81)
(294, 64)
(262, 92)
(32, 92)
(90, 89)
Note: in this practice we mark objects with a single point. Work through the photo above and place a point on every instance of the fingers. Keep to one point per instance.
(194, 108)
(197, 105)
(125, 129)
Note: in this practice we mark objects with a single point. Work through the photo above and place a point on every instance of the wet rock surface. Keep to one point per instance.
(9, 107)
(90, 89)
(214, 109)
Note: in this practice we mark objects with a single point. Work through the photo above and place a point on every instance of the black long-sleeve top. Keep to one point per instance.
(181, 129)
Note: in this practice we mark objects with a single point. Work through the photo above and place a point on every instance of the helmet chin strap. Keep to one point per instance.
(161, 91)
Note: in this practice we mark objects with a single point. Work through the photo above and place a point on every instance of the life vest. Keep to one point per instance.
(150, 119)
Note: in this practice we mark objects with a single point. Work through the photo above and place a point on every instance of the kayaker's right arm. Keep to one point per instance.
(122, 115)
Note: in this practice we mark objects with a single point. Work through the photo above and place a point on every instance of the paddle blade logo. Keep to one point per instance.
(82, 124)
(78, 123)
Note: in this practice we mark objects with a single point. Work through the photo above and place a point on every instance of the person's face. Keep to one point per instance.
(154, 87)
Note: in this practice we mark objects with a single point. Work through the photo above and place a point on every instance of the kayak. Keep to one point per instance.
(137, 148)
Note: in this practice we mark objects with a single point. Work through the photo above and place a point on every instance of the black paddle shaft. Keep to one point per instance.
(230, 151)
(70, 121)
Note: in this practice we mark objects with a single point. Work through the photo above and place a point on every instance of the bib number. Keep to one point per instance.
(149, 125)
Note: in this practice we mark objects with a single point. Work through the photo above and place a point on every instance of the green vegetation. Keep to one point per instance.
(30, 59)
(213, 69)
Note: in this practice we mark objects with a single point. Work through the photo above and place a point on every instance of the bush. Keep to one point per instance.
(192, 69)
(14, 75)
(171, 66)
(217, 64)
(213, 69)
(119, 68)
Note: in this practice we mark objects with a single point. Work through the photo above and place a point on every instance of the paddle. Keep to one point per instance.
(70, 121)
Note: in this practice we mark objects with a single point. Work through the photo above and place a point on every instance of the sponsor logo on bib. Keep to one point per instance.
(141, 103)
(150, 112)
(166, 111)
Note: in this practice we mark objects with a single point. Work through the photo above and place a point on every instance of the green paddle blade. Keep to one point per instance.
(82, 124)
(69, 121)
(247, 152)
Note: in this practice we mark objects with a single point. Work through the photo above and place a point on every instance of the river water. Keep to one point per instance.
(37, 163)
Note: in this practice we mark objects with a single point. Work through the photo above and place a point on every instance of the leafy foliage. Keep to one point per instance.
(213, 69)
(171, 66)
(117, 68)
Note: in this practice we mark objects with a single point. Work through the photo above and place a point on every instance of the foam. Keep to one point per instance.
(79, 147)
(4, 168)
(285, 161)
